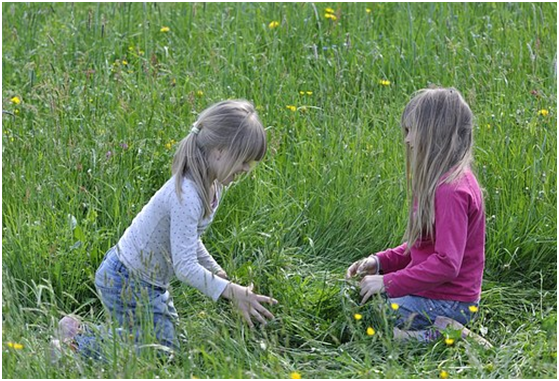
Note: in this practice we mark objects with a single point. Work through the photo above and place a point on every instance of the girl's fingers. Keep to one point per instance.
(366, 297)
(263, 311)
(265, 299)
(246, 316)
(363, 284)
(258, 316)
(352, 270)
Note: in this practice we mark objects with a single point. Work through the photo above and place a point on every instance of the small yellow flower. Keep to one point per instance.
(16, 111)
(394, 306)
(170, 144)
(302, 92)
(130, 48)
(273, 24)
(15, 100)
(543, 112)
(295, 375)
(358, 316)
(164, 29)
(449, 341)
(384, 82)
(368, 10)
(488, 126)
(124, 62)
(443, 374)
(329, 10)
(199, 93)
(309, 92)
(330, 16)
(371, 331)
(15, 345)
(291, 107)
(473, 309)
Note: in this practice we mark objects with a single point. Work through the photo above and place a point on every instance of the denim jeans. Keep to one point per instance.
(417, 313)
(138, 309)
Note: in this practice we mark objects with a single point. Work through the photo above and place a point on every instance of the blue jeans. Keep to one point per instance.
(417, 313)
(139, 309)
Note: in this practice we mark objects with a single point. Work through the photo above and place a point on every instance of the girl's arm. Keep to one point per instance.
(393, 259)
(206, 260)
(184, 247)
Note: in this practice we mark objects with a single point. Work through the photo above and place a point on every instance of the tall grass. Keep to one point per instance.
(105, 95)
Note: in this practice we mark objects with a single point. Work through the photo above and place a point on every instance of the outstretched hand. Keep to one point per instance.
(249, 303)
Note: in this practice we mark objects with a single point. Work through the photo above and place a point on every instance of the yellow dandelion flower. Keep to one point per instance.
(449, 341)
(295, 375)
(368, 10)
(124, 62)
(199, 93)
(329, 10)
(384, 82)
(330, 16)
(302, 92)
(358, 316)
(488, 126)
(291, 107)
(543, 112)
(170, 144)
(164, 29)
(309, 92)
(15, 345)
(15, 100)
(443, 374)
(273, 24)
(371, 331)
(473, 309)
(394, 306)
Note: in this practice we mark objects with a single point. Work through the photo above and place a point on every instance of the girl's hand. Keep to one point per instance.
(222, 274)
(248, 303)
(365, 266)
(371, 284)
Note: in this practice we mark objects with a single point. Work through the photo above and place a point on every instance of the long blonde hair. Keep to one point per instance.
(232, 126)
(442, 125)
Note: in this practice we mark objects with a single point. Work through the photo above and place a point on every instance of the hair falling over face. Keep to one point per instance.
(232, 127)
(441, 125)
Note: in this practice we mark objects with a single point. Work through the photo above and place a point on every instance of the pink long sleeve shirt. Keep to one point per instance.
(451, 268)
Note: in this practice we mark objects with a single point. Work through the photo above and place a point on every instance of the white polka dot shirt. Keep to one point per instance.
(164, 239)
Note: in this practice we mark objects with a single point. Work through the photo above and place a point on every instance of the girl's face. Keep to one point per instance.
(219, 161)
(237, 170)
(410, 137)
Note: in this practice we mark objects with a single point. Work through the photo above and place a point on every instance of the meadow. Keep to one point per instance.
(96, 97)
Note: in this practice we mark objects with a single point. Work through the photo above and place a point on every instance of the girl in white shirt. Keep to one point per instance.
(163, 240)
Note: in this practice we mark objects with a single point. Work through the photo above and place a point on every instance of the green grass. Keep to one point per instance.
(330, 190)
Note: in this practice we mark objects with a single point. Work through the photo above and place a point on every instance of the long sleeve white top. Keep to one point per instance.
(164, 239)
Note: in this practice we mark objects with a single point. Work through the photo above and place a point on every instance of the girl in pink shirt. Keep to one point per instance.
(435, 276)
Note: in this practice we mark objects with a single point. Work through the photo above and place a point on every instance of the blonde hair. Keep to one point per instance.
(441, 124)
(232, 126)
